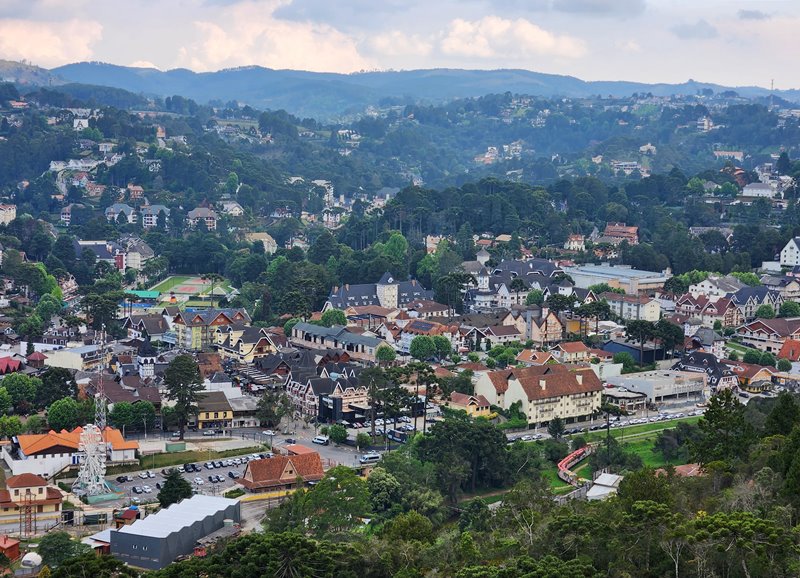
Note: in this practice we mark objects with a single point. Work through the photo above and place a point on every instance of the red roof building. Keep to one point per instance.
(282, 472)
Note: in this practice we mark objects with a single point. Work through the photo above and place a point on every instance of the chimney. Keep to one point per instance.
(543, 383)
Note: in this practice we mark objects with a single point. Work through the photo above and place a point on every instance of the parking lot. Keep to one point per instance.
(211, 478)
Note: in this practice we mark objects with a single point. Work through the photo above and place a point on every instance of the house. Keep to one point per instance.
(551, 391)
(575, 243)
(752, 377)
(107, 251)
(202, 214)
(387, 292)
(749, 299)
(243, 343)
(196, 330)
(790, 350)
(282, 472)
(9, 547)
(150, 215)
(232, 208)
(120, 212)
(135, 192)
(214, 411)
(769, 334)
(270, 245)
(622, 232)
(787, 286)
(80, 358)
(533, 357)
(137, 252)
(571, 352)
(7, 213)
(759, 190)
(633, 307)
(473, 405)
(714, 287)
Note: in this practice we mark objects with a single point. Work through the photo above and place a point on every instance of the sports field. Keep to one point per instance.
(190, 286)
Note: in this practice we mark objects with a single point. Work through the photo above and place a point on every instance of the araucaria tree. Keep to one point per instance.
(184, 384)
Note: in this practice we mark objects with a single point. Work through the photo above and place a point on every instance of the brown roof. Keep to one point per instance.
(472, 366)
(611, 296)
(790, 350)
(559, 382)
(25, 481)
(297, 449)
(573, 347)
(533, 356)
(464, 399)
(268, 472)
(503, 330)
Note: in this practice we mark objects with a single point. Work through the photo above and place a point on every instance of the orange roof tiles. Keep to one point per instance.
(25, 481)
(271, 471)
(31, 444)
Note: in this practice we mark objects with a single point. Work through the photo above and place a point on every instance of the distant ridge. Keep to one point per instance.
(327, 95)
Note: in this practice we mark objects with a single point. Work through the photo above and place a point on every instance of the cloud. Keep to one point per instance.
(143, 64)
(247, 33)
(753, 15)
(698, 31)
(493, 36)
(49, 43)
(601, 7)
(397, 43)
(630, 46)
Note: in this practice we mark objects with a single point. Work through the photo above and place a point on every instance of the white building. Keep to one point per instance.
(633, 307)
(7, 214)
(790, 254)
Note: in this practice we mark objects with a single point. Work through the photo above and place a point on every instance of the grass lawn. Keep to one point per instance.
(170, 282)
(644, 449)
(739, 348)
(557, 484)
(158, 461)
(637, 430)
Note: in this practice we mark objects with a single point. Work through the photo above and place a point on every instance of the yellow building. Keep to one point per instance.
(30, 490)
(242, 343)
(214, 411)
(196, 330)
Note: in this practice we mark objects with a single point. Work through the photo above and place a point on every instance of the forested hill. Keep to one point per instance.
(324, 95)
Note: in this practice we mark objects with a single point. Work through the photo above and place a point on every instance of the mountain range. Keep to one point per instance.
(327, 95)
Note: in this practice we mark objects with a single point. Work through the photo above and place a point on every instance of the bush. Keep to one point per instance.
(784, 365)
(337, 433)
(234, 493)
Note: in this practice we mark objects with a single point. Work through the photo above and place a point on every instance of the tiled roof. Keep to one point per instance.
(573, 347)
(464, 399)
(31, 444)
(25, 481)
(267, 472)
(790, 350)
(560, 383)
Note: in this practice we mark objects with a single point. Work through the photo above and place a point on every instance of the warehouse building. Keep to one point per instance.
(157, 540)
(663, 385)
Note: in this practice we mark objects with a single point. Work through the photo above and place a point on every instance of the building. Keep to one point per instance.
(49, 453)
(473, 405)
(7, 213)
(159, 539)
(270, 244)
(243, 343)
(717, 374)
(633, 307)
(790, 254)
(30, 490)
(663, 385)
(81, 358)
(715, 287)
(571, 352)
(357, 345)
(108, 251)
(282, 472)
(204, 214)
(120, 212)
(632, 281)
(769, 334)
(545, 391)
(150, 215)
(196, 330)
(575, 243)
(214, 411)
(759, 190)
(387, 292)
(628, 401)
(622, 232)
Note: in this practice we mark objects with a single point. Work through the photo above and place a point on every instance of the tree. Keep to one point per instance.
(175, 489)
(626, 359)
(725, 435)
(784, 365)
(144, 415)
(641, 331)
(5, 400)
(556, 428)
(184, 384)
(442, 346)
(559, 303)
(373, 379)
(22, 390)
(784, 416)
(766, 358)
(789, 309)
(333, 317)
(752, 356)
(600, 288)
(56, 383)
(336, 504)
(534, 297)
(362, 441)
(121, 415)
(35, 424)
(422, 347)
(385, 354)
(337, 433)
(289, 325)
(57, 547)
(272, 408)
(93, 565)
(63, 414)
(765, 311)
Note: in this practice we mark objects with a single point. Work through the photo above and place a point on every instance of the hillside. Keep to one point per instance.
(326, 95)
(27, 74)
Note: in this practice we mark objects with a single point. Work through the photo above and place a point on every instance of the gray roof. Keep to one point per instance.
(339, 333)
(178, 516)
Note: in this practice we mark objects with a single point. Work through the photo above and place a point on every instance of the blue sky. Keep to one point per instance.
(726, 41)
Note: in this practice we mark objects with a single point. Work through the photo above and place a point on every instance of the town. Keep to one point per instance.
(199, 347)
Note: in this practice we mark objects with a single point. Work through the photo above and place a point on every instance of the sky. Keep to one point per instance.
(730, 42)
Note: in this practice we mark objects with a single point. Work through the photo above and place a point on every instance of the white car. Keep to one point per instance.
(268, 432)
(199, 481)
(143, 475)
(147, 489)
(150, 474)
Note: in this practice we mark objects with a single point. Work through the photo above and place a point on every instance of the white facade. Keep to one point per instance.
(46, 466)
(790, 254)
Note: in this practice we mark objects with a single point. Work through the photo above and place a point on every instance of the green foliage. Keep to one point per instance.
(57, 547)
(626, 359)
(556, 428)
(422, 347)
(272, 407)
(724, 433)
(752, 356)
(767, 358)
(534, 297)
(765, 311)
(174, 489)
(789, 309)
(385, 354)
(184, 384)
(600, 288)
(784, 365)
(363, 440)
(337, 433)
(63, 414)
(333, 317)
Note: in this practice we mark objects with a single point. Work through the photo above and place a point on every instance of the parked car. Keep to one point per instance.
(150, 474)
(137, 490)
(143, 475)
(209, 433)
(212, 479)
(290, 441)
(199, 481)
(122, 479)
(268, 432)
(158, 485)
(209, 465)
(147, 489)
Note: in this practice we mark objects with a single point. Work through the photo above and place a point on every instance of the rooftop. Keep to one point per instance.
(178, 516)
